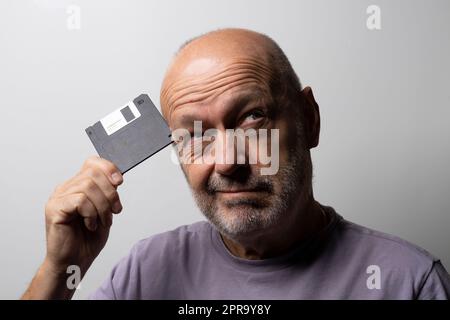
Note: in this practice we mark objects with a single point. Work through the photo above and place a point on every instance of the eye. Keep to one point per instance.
(252, 116)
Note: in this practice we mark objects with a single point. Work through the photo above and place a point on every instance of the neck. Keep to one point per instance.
(305, 221)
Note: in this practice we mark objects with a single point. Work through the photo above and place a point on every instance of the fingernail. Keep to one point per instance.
(117, 178)
(117, 207)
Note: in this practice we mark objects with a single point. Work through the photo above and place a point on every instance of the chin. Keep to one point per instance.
(243, 220)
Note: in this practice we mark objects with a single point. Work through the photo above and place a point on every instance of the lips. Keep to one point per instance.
(237, 191)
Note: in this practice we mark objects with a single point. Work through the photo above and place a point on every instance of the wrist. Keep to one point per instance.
(52, 270)
(50, 282)
(58, 270)
(60, 280)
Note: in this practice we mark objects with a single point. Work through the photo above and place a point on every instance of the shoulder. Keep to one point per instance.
(154, 266)
(380, 243)
(403, 266)
(174, 240)
(171, 249)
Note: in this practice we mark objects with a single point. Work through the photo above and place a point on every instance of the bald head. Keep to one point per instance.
(208, 65)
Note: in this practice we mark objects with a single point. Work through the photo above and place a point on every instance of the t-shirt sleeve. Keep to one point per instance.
(149, 271)
(105, 292)
(436, 285)
(121, 280)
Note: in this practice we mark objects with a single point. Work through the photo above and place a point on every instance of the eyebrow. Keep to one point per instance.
(236, 103)
(187, 120)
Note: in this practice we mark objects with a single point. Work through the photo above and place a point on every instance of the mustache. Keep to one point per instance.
(219, 183)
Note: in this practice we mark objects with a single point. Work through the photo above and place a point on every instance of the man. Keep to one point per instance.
(267, 237)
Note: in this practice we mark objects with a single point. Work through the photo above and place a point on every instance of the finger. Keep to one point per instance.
(109, 220)
(106, 187)
(108, 190)
(79, 203)
(93, 192)
(109, 169)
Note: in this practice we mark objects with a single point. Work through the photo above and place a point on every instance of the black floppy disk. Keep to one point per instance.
(131, 134)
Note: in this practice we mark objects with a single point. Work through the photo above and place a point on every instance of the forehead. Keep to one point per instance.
(206, 82)
(221, 106)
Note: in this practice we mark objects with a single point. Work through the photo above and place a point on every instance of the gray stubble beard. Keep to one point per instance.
(248, 215)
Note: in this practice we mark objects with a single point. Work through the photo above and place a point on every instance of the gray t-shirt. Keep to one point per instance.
(345, 261)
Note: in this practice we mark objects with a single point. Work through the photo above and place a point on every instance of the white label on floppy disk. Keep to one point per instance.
(120, 118)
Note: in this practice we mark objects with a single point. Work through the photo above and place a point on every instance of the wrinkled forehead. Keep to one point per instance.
(207, 78)
(222, 110)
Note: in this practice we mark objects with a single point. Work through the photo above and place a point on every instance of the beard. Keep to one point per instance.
(240, 217)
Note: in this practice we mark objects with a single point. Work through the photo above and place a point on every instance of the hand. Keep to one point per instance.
(79, 215)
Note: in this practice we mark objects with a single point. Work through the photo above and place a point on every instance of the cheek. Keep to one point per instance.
(287, 140)
(197, 175)
(285, 145)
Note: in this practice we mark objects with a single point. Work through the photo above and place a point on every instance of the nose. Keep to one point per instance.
(226, 169)
(231, 158)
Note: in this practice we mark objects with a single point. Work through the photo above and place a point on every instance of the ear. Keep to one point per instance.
(312, 117)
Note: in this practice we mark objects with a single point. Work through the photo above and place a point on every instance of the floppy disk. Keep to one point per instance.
(131, 134)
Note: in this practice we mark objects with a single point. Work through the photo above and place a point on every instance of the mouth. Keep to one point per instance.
(240, 192)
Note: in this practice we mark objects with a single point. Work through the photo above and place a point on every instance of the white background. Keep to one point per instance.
(384, 152)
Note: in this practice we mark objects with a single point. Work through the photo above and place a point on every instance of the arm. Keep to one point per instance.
(78, 218)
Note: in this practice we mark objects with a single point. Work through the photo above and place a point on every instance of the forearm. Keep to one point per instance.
(49, 283)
